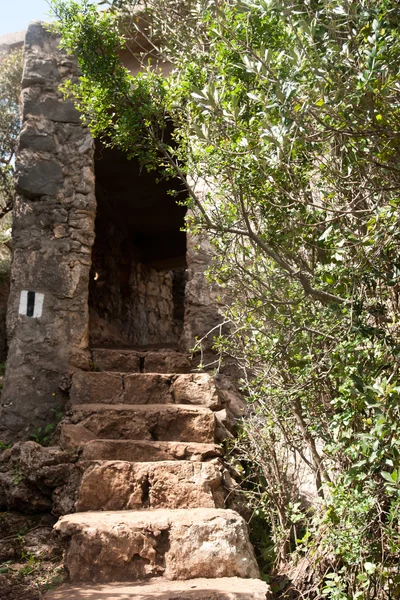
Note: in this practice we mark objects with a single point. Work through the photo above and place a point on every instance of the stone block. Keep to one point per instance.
(52, 108)
(74, 436)
(147, 388)
(35, 140)
(166, 362)
(116, 360)
(39, 71)
(91, 387)
(41, 178)
(176, 544)
(37, 35)
(144, 451)
(146, 422)
(196, 388)
(119, 485)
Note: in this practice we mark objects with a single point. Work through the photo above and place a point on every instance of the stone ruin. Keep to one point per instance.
(99, 255)
(108, 296)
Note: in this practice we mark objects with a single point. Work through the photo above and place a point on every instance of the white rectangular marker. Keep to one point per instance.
(31, 304)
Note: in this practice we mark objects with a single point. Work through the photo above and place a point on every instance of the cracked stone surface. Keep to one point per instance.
(119, 485)
(53, 233)
(176, 544)
(145, 388)
(156, 422)
(133, 361)
(143, 451)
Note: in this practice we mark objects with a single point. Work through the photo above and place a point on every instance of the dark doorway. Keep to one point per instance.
(136, 292)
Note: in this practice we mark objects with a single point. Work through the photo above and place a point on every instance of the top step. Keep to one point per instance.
(90, 387)
(140, 361)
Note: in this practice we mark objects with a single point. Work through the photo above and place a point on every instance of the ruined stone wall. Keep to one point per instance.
(53, 236)
(53, 233)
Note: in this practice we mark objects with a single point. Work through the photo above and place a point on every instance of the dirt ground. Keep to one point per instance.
(30, 556)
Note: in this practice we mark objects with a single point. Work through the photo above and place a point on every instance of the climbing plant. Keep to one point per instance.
(286, 139)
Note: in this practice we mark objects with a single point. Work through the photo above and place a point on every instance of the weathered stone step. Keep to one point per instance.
(135, 361)
(158, 422)
(121, 485)
(142, 451)
(142, 388)
(224, 588)
(176, 544)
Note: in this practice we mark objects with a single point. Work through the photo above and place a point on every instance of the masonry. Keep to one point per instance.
(108, 295)
(99, 256)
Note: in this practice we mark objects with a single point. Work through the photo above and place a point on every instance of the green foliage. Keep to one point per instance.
(44, 435)
(10, 87)
(289, 114)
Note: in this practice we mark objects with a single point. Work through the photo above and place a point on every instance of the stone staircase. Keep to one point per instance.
(150, 520)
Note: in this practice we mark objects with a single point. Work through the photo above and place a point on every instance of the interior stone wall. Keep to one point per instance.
(131, 303)
(53, 234)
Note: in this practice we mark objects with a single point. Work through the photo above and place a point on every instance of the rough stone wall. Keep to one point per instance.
(136, 301)
(53, 236)
(53, 233)
(202, 315)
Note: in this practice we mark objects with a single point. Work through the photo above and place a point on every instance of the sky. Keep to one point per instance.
(16, 14)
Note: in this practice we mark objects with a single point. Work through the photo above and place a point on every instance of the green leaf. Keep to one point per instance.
(390, 477)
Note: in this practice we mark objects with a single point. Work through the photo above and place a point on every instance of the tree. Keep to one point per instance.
(10, 88)
(289, 113)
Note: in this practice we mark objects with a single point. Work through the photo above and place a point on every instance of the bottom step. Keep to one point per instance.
(226, 588)
(178, 544)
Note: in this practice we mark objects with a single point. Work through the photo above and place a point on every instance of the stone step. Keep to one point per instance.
(141, 388)
(224, 588)
(158, 422)
(143, 451)
(121, 485)
(177, 544)
(135, 361)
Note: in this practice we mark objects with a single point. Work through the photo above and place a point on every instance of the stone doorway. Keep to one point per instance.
(138, 274)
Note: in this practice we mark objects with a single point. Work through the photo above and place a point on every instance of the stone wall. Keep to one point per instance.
(202, 315)
(131, 303)
(53, 233)
(53, 238)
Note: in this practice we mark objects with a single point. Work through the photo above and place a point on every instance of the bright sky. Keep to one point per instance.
(16, 14)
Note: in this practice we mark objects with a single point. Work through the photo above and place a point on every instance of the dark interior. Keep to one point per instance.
(139, 253)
